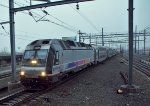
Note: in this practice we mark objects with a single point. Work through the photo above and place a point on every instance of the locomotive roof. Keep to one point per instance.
(65, 44)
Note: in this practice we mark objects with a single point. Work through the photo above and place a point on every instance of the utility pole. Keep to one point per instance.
(144, 40)
(102, 38)
(12, 39)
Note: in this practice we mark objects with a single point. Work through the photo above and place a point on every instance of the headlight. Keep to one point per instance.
(22, 73)
(34, 62)
(43, 74)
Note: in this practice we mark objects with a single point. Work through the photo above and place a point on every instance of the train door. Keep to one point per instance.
(61, 61)
(57, 58)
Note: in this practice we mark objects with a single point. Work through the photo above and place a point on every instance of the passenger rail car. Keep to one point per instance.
(47, 61)
(100, 54)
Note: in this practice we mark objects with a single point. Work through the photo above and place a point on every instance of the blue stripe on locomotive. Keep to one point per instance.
(71, 65)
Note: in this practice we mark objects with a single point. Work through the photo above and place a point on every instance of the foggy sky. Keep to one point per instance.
(112, 15)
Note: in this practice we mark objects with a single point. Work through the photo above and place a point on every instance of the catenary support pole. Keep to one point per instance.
(12, 39)
(135, 37)
(79, 36)
(130, 88)
(138, 43)
(130, 12)
(102, 38)
(90, 38)
(144, 40)
(96, 41)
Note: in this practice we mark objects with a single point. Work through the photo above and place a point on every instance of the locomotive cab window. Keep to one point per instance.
(57, 58)
(31, 55)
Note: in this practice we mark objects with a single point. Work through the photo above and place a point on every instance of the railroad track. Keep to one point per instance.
(13, 98)
(137, 64)
(23, 97)
(5, 75)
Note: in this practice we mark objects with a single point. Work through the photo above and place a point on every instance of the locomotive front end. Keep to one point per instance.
(33, 71)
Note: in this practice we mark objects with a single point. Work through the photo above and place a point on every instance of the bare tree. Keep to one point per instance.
(4, 51)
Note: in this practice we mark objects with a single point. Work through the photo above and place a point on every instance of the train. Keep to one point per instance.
(47, 61)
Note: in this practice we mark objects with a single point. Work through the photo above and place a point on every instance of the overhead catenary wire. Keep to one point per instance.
(4, 29)
(8, 8)
(44, 11)
(30, 35)
(47, 13)
(71, 28)
(46, 20)
(8, 34)
(85, 18)
(4, 6)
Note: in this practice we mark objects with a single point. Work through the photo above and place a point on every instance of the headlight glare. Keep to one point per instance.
(43, 73)
(22, 73)
(34, 62)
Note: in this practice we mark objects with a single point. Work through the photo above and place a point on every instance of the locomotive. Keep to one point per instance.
(47, 61)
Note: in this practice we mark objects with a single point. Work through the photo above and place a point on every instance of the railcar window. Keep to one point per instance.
(82, 44)
(78, 44)
(67, 45)
(71, 43)
(102, 49)
(61, 43)
(90, 45)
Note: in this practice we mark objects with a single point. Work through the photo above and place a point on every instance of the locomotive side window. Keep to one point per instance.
(57, 58)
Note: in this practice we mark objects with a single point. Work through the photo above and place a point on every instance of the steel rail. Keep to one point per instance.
(5, 75)
(139, 66)
(10, 96)
(23, 97)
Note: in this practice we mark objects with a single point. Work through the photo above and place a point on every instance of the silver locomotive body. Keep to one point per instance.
(45, 61)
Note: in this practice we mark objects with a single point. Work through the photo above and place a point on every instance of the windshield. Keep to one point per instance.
(29, 54)
(38, 55)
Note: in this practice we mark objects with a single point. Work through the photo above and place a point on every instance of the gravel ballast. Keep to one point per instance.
(98, 87)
